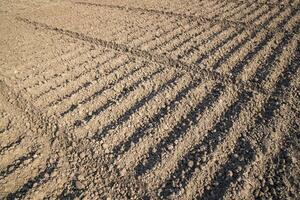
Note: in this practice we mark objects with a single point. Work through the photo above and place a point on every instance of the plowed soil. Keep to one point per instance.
(140, 99)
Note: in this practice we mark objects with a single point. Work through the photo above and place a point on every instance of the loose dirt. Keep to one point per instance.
(149, 99)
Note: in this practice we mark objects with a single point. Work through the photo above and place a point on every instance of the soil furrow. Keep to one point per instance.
(142, 131)
(135, 108)
(178, 131)
(168, 13)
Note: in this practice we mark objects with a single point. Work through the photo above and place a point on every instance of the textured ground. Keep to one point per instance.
(131, 99)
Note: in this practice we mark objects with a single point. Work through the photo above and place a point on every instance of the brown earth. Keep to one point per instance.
(149, 99)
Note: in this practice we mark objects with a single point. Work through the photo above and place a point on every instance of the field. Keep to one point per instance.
(141, 99)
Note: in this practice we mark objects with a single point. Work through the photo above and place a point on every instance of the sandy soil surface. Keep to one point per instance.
(144, 99)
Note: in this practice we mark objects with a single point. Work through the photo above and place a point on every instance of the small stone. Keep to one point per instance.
(82, 155)
(170, 147)
(229, 174)
(80, 177)
(105, 146)
(294, 160)
(190, 163)
(154, 150)
(123, 172)
(235, 155)
(271, 181)
(79, 185)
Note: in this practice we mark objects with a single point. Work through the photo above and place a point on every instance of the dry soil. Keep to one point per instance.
(144, 99)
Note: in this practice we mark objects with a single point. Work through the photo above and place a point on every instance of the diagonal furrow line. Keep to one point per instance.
(208, 8)
(16, 164)
(11, 145)
(149, 28)
(194, 48)
(156, 119)
(222, 12)
(240, 65)
(231, 52)
(189, 38)
(234, 12)
(257, 48)
(277, 98)
(132, 51)
(165, 34)
(183, 32)
(99, 92)
(270, 4)
(260, 11)
(41, 178)
(169, 13)
(84, 85)
(55, 75)
(155, 57)
(273, 104)
(269, 19)
(263, 71)
(69, 55)
(100, 134)
(63, 83)
(242, 156)
(179, 130)
(125, 92)
(206, 45)
(244, 13)
(184, 173)
(214, 49)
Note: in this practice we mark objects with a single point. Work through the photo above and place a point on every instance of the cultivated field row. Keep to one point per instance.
(150, 102)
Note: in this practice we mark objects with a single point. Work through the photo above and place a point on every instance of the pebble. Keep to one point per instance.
(229, 173)
(105, 146)
(79, 185)
(190, 163)
(80, 177)
(82, 155)
(170, 147)
(154, 150)
(123, 172)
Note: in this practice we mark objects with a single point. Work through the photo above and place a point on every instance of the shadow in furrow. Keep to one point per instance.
(222, 181)
(70, 192)
(264, 70)
(38, 180)
(17, 163)
(125, 92)
(99, 92)
(193, 49)
(279, 169)
(250, 56)
(179, 130)
(229, 173)
(240, 65)
(84, 85)
(197, 155)
(15, 143)
(154, 121)
(217, 47)
(103, 132)
(276, 98)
